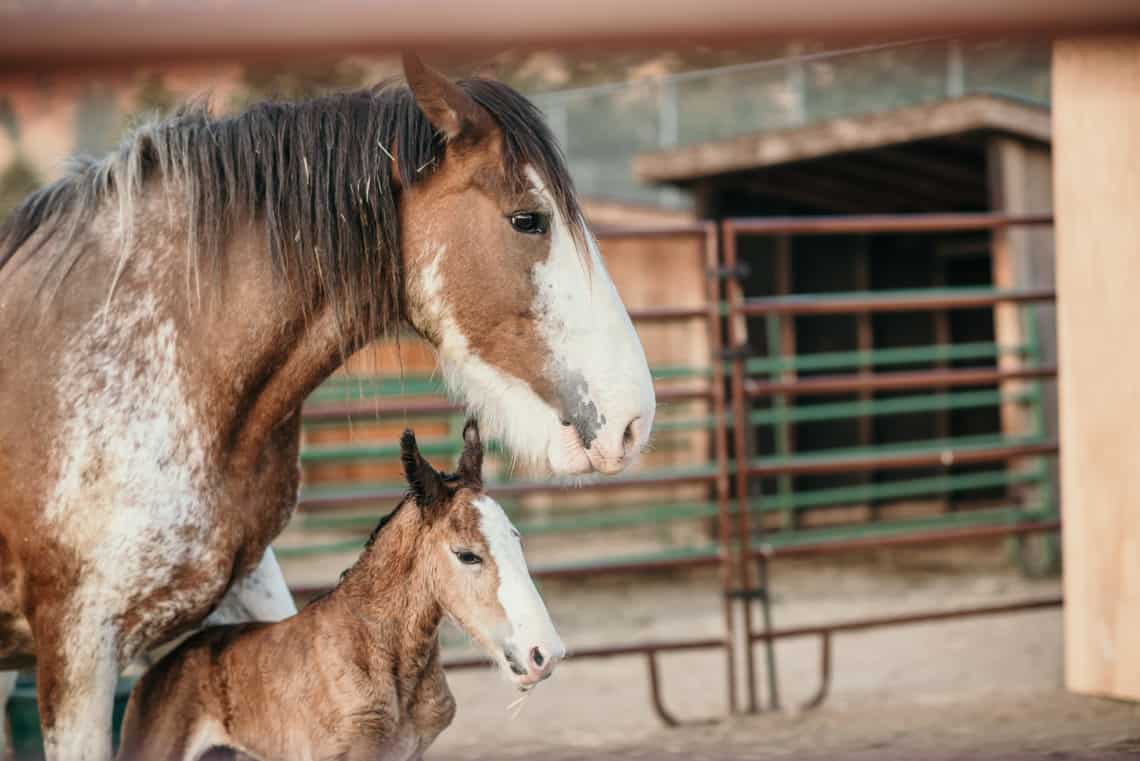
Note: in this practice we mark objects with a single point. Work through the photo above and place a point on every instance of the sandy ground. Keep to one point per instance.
(977, 688)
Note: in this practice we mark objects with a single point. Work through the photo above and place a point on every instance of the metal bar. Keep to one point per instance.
(824, 673)
(781, 343)
(938, 536)
(839, 384)
(831, 411)
(319, 501)
(324, 412)
(635, 514)
(887, 302)
(884, 223)
(762, 585)
(606, 651)
(720, 448)
(865, 344)
(668, 313)
(655, 691)
(896, 489)
(947, 457)
(739, 430)
(669, 230)
(578, 571)
(864, 624)
(896, 356)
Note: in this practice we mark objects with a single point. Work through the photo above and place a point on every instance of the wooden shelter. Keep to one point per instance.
(968, 154)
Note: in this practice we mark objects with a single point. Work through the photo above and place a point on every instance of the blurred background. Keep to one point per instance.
(839, 259)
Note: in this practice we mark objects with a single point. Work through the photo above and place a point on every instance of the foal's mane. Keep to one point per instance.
(315, 175)
(451, 479)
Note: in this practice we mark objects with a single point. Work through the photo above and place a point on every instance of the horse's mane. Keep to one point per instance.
(315, 174)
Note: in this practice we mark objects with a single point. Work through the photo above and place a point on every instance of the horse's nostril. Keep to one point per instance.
(537, 656)
(627, 437)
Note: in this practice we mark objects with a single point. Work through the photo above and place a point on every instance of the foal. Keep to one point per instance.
(357, 673)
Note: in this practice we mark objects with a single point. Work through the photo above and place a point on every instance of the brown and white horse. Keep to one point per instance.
(166, 310)
(357, 673)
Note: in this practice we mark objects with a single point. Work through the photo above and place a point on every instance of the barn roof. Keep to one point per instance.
(971, 114)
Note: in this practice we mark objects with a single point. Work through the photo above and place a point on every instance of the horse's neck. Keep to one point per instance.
(261, 350)
(387, 598)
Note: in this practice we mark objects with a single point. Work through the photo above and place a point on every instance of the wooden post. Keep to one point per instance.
(1096, 110)
(1020, 183)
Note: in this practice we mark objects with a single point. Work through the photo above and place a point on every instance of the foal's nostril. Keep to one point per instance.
(537, 657)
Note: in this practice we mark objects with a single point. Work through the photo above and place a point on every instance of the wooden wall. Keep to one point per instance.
(1096, 151)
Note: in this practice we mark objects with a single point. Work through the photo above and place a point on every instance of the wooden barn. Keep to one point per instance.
(976, 153)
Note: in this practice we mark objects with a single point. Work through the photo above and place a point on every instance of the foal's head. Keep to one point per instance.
(505, 279)
(475, 563)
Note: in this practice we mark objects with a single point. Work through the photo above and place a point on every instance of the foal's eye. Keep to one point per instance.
(467, 557)
(530, 222)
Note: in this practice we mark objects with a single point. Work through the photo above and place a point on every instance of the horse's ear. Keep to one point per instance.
(450, 110)
(470, 469)
(426, 483)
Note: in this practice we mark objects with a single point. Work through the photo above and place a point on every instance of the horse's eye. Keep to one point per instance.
(467, 557)
(530, 222)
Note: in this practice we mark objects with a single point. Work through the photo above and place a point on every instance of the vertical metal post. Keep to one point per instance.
(720, 444)
(749, 589)
(865, 344)
(769, 643)
(944, 341)
(782, 351)
(740, 429)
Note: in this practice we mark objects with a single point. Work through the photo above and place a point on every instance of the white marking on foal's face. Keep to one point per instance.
(528, 622)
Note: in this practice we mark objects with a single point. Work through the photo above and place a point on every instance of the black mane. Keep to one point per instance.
(317, 174)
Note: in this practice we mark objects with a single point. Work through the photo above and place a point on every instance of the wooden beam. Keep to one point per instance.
(816, 198)
(836, 190)
(910, 187)
(926, 161)
(904, 125)
(1096, 157)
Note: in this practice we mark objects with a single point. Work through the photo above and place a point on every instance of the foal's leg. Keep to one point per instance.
(262, 595)
(76, 669)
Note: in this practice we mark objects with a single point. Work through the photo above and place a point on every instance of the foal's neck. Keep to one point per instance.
(388, 598)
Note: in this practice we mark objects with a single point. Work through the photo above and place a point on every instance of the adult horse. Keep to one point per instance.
(166, 311)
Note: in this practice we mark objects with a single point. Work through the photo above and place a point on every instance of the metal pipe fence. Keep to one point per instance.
(743, 545)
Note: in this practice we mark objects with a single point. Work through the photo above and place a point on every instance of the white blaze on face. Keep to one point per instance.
(527, 618)
(602, 375)
(507, 407)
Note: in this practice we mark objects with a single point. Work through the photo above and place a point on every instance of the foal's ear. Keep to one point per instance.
(426, 483)
(447, 107)
(470, 469)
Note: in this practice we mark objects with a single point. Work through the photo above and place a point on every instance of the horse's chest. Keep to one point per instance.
(135, 497)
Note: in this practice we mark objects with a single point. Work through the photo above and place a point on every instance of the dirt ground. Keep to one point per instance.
(975, 688)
